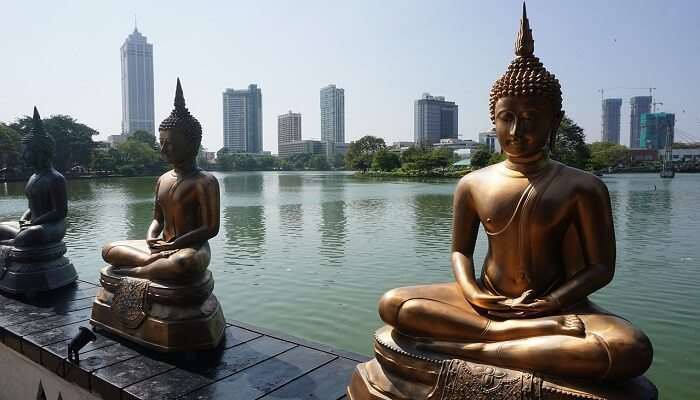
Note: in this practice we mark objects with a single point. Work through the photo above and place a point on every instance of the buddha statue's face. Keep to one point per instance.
(524, 124)
(174, 147)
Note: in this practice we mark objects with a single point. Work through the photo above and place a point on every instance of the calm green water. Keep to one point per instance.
(310, 254)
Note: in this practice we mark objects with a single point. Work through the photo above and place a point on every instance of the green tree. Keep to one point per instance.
(338, 161)
(385, 160)
(299, 161)
(481, 157)
(138, 158)
(74, 143)
(360, 152)
(318, 162)
(144, 137)
(496, 158)
(605, 155)
(10, 156)
(105, 161)
(411, 154)
(570, 147)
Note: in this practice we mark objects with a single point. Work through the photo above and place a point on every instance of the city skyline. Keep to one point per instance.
(382, 59)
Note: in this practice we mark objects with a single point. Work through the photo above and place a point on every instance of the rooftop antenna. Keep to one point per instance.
(136, 24)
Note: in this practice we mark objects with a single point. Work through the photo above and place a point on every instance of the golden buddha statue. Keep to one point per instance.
(551, 244)
(32, 249)
(158, 291)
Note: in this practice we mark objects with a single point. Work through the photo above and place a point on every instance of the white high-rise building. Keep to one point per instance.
(332, 115)
(288, 128)
(137, 84)
(243, 120)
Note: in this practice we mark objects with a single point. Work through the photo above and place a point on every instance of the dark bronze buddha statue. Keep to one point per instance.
(551, 244)
(158, 291)
(32, 249)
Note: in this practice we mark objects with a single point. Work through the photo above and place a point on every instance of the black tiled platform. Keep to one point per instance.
(251, 363)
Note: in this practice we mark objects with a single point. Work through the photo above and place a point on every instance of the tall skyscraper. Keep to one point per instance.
(653, 129)
(639, 105)
(137, 84)
(332, 115)
(243, 120)
(611, 121)
(288, 128)
(434, 119)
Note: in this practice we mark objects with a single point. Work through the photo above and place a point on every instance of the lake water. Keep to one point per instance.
(310, 253)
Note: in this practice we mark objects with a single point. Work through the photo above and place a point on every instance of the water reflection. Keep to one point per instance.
(81, 189)
(290, 183)
(433, 223)
(332, 227)
(244, 228)
(291, 220)
(647, 211)
(243, 183)
(333, 221)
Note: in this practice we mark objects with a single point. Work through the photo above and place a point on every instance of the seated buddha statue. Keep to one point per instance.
(32, 249)
(166, 274)
(551, 244)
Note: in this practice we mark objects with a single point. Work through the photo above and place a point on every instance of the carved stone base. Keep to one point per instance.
(29, 270)
(155, 315)
(400, 371)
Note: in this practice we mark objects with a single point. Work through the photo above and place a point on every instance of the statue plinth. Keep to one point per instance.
(402, 370)
(164, 316)
(35, 269)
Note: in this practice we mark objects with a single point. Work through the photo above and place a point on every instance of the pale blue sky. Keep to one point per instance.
(63, 56)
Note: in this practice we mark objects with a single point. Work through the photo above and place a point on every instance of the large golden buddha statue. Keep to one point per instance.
(526, 324)
(32, 249)
(158, 291)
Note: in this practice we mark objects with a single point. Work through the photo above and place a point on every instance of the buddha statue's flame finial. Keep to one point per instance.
(525, 44)
(38, 138)
(37, 130)
(36, 121)
(179, 97)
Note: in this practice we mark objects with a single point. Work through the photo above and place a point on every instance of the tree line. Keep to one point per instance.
(139, 154)
(371, 154)
(76, 151)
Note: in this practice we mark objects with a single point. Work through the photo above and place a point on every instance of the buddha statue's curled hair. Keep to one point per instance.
(180, 119)
(526, 75)
(38, 140)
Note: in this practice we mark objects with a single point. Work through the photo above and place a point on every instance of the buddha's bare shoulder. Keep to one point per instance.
(581, 182)
(478, 178)
(206, 178)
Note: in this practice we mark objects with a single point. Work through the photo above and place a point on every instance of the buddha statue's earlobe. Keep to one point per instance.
(555, 128)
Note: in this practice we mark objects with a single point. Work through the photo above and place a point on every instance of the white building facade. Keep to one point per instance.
(137, 85)
(332, 115)
(490, 140)
(288, 128)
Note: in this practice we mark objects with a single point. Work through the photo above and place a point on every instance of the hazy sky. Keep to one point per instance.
(63, 56)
